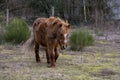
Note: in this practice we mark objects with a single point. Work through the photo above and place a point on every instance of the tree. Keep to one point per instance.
(76, 11)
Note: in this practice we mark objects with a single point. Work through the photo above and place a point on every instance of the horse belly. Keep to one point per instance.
(43, 43)
(42, 39)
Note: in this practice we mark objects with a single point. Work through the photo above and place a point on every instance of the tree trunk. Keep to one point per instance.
(96, 18)
(53, 10)
(7, 16)
(101, 17)
(85, 16)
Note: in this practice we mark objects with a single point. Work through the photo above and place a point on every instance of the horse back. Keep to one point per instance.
(39, 31)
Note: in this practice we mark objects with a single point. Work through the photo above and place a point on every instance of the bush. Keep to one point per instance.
(79, 39)
(17, 31)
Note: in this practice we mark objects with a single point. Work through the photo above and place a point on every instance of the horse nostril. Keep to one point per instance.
(63, 47)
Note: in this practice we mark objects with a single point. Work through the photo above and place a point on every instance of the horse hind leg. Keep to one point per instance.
(37, 52)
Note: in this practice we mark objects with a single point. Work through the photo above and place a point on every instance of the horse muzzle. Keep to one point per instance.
(63, 47)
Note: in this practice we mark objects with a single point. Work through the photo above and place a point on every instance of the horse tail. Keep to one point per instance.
(28, 46)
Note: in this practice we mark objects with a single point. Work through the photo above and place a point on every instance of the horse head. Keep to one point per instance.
(62, 32)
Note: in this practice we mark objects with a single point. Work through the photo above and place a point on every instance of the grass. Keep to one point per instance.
(86, 65)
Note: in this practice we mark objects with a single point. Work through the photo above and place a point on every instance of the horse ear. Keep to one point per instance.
(66, 21)
(60, 25)
(68, 26)
(54, 23)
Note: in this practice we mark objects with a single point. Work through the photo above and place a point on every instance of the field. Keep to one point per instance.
(98, 62)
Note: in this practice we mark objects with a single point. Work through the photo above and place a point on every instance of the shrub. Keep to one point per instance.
(79, 39)
(17, 31)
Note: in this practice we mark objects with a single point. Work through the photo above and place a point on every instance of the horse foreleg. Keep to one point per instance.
(56, 54)
(52, 57)
(37, 52)
(47, 56)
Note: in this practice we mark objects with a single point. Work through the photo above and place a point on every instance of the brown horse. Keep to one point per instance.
(51, 33)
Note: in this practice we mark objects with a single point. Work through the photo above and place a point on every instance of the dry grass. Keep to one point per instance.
(98, 62)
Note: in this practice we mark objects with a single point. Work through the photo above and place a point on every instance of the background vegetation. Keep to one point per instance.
(16, 32)
(75, 11)
(80, 39)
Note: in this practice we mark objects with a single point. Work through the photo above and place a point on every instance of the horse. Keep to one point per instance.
(51, 33)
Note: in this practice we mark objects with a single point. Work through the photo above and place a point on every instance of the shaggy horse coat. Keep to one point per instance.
(51, 33)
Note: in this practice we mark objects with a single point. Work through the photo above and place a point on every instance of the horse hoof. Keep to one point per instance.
(51, 66)
(48, 65)
(48, 62)
(38, 61)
